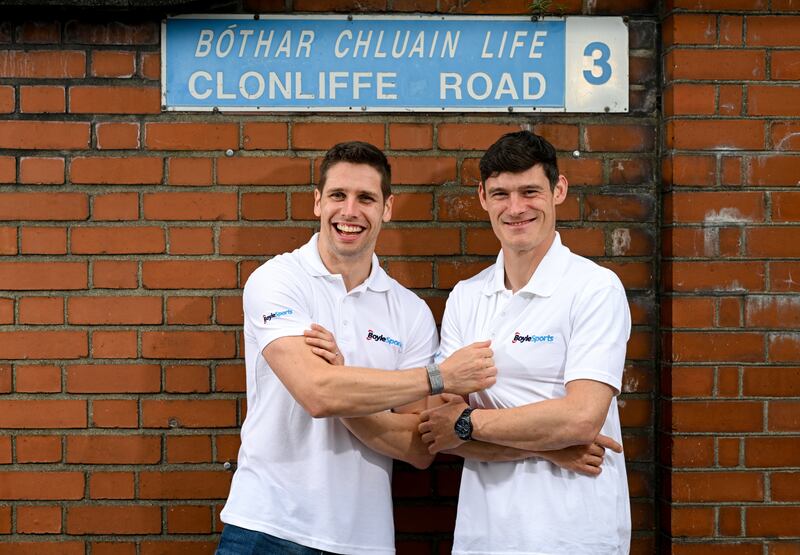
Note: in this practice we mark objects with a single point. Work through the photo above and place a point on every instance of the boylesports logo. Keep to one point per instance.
(372, 336)
(268, 317)
(519, 338)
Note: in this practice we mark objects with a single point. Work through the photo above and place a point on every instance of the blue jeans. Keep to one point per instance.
(240, 541)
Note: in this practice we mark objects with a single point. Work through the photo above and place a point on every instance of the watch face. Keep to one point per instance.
(463, 427)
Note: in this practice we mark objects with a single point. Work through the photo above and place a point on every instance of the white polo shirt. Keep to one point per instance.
(570, 321)
(309, 480)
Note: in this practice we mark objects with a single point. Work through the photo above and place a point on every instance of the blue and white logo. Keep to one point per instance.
(372, 336)
(268, 317)
(520, 338)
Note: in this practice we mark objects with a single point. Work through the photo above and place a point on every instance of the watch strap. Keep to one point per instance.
(435, 378)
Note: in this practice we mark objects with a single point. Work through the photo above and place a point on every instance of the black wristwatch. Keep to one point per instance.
(463, 426)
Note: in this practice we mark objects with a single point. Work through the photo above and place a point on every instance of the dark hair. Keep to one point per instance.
(518, 152)
(357, 152)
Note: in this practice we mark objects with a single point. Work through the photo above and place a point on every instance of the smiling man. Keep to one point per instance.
(559, 326)
(310, 478)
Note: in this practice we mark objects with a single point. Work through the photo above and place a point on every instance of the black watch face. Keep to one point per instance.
(463, 426)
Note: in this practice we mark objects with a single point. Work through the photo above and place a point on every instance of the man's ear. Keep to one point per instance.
(317, 198)
(560, 190)
(482, 195)
(387, 208)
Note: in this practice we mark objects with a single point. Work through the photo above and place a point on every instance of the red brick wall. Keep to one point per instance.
(126, 235)
(730, 381)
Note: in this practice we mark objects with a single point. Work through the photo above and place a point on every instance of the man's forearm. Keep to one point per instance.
(489, 452)
(392, 434)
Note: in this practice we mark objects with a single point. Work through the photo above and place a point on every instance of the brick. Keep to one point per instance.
(694, 452)
(691, 521)
(450, 273)
(772, 452)
(772, 381)
(117, 240)
(680, 29)
(730, 100)
(410, 136)
(150, 65)
(38, 449)
(227, 447)
(60, 547)
(44, 171)
(630, 172)
(773, 100)
(189, 519)
(113, 63)
(38, 379)
(114, 344)
(5, 378)
(773, 31)
(113, 519)
(718, 347)
(191, 136)
(785, 136)
(190, 206)
(191, 240)
(689, 99)
(189, 310)
(39, 32)
(44, 206)
(198, 413)
(690, 381)
(229, 310)
(115, 207)
(715, 208)
(263, 171)
(263, 206)
(184, 485)
(230, 378)
(773, 311)
(42, 64)
(412, 207)
(8, 169)
(471, 136)
(785, 486)
(422, 170)
(48, 135)
(730, 30)
(411, 274)
(43, 344)
(632, 208)
(712, 65)
(410, 242)
(38, 519)
(41, 485)
(728, 451)
(7, 311)
(265, 136)
(113, 378)
(303, 207)
(188, 449)
(188, 274)
(43, 240)
(714, 276)
(774, 170)
(562, 137)
(784, 65)
(255, 240)
(584, 171)
(717, 486)
(116, 171)
(111, 485)
(775, 242)
(115, 274)
(322, 136)
(90, 99)
(107, 449)
(7, 102)
(188, 344)
(717, 416)
(625, 138)
(115, 413)
(42, 99)
(189, 171)
(716, 134)
(461, 208)
(772, 521)
(784, 416)
(634, 275)
(117, 135)
(113, 32)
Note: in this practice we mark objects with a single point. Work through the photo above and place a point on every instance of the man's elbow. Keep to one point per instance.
(421, 461)
(584, 429)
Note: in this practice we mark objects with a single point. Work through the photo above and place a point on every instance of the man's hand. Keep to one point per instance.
(323, 344)
(469, 369)
(583, 459)
(437, 424)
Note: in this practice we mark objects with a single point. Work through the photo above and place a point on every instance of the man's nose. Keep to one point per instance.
(516, 204)
(349, 206)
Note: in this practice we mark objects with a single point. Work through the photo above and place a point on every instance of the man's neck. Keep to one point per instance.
(354, 271)
(519, 266)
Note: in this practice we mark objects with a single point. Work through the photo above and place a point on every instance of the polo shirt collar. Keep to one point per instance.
(545, 279)
(377, 280)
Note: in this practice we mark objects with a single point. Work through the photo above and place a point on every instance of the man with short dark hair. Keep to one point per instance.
(310, 480)
(559, 326)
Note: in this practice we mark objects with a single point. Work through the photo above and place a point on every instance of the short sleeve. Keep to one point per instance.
(423, 340)
(452, 339)
(601, 325)
(274, 304)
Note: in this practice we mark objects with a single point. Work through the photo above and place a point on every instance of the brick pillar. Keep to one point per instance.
(730, 414)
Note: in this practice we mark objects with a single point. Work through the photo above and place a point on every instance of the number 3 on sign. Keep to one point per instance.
(600, 62)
